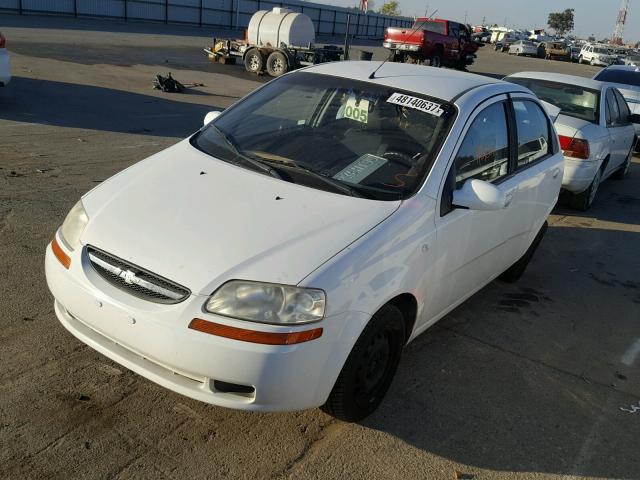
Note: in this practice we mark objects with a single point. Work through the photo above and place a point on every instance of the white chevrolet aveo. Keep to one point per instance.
(281, 257)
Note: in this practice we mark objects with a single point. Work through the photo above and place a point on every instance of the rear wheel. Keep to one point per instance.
(515, 271)
(583, 201)
(370, 367)
(277, 64)
(254, 61)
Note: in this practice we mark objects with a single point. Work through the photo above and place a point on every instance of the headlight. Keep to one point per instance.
(74, 225)
(267, 302)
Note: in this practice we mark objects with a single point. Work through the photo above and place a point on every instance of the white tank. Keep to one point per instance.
(278, 26)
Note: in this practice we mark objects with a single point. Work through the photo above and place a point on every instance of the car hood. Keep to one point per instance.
(200, 221)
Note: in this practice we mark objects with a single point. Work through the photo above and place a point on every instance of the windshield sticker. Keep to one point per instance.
(360, 169)
(416, 103)
(355, 109)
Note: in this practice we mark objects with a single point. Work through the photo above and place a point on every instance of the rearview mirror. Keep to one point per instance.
(211, 116)
(635, 118)
(479, 195)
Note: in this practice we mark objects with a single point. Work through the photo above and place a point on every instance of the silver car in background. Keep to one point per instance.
(523, 47)
(626, 78)
(594, 127)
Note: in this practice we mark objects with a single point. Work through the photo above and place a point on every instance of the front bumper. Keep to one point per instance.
(154, 341)
(578, 174)
(405, 47)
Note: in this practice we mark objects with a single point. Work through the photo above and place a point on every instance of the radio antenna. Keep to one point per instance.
(392, 53)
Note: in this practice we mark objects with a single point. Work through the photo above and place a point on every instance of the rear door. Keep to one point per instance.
(625, 121)
(538, 169)
(617, 129)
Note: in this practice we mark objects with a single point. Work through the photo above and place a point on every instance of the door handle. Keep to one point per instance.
(556, 172)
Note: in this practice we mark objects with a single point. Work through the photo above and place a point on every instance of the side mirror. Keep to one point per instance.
(635, 118)
(211, 116)
(479, 195)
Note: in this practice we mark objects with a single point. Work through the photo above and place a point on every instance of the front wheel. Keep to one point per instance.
(623, 171)
(254, 61)
(436, 60)
(370, 367)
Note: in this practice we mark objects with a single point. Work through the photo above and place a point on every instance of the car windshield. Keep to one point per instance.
(527, 44)
(333, 133)
(601, 50)
(572, 100)
(627, 77)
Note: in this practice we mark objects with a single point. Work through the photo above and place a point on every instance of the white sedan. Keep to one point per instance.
(5, 63)
(595, 126)
(283, 256)
(523, 47)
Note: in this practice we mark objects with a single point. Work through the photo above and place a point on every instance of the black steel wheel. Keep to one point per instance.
(254, 61)
(277, 64)
(370, 367)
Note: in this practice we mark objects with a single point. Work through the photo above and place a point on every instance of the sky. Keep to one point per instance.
(596, 17)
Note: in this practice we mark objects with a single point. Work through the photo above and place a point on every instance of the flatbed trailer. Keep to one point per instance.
(275, 61)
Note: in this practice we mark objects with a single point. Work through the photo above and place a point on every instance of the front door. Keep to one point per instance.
(472, 247)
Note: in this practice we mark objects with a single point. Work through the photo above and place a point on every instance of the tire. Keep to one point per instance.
(277, 64)
(370, 367)
(583, 201)
(254, 61)
(515, 271)
(623, 171)
(580, 60)
(591, 62)
(436, 60)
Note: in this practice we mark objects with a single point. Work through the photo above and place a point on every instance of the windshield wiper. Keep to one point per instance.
(259, 164)
(349, 189)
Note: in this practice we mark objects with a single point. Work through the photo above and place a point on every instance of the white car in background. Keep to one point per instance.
(596, 55)
(627, 80)
(523, 47)
(595, 127)
(281, 257)
(5, 63)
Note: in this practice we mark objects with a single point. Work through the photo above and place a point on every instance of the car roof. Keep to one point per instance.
(561, 78)
(629, 68)
(441, 83)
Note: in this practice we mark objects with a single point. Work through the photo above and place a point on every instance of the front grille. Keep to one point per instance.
(135, 280)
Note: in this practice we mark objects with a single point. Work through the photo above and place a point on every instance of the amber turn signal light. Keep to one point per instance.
(253, 336)
(62, 257)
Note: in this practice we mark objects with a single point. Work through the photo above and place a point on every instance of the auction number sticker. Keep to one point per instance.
(358, 111)
(416, 103)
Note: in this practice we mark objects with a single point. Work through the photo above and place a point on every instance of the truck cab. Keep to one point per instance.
(432, 41)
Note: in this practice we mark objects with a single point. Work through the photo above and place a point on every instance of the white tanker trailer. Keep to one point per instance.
(277, 41)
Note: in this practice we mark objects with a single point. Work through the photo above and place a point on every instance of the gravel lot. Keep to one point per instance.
(522, 381)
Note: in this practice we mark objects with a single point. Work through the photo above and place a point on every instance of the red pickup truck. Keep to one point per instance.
(432, 41)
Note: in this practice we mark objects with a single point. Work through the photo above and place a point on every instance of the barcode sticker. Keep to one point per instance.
(416, 103)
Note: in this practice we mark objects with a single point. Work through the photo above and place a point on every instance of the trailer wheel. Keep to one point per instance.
(277, 64)
(254, 61)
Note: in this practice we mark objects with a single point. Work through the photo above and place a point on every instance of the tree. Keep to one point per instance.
(392, 7)
(561, 22)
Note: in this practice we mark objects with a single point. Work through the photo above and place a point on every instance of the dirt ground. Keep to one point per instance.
(536, 380)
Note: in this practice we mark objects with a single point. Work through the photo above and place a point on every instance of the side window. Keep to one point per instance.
(625, 113)
(533, 132)
(484, 153)
(454, 30)
(612, 108)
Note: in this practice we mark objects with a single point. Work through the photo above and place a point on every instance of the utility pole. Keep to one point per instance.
(426, 10)
(465, 17)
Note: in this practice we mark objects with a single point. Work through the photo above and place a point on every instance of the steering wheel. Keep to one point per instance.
(403, 159)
